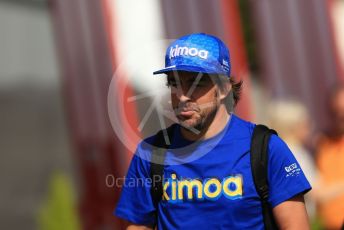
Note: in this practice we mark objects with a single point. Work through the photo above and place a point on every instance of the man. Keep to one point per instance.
(207, 176)
(330, 161)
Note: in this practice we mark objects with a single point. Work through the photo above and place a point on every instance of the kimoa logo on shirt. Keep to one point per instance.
(210, 189)
(187, 51)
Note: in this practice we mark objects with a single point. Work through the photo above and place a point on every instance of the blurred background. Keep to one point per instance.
(77, 94)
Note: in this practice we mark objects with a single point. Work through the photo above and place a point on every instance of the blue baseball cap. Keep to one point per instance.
(197, 52)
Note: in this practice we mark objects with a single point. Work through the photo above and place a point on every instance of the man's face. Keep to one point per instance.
(338, 110)
(195, 98)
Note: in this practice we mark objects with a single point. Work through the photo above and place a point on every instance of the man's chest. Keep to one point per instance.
(209, 180)
(216, 189)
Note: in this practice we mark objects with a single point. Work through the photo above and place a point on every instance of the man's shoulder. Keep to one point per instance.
(241, 127)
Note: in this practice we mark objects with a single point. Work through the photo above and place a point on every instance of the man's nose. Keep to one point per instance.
(182, 94)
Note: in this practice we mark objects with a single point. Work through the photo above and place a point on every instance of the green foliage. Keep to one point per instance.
(316, 224)
(59, 210)
(249, 34)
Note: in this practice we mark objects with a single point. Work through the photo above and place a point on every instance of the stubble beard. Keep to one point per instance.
(201, 119)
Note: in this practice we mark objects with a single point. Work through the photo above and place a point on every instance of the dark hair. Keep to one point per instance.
(237, 89)
(221, 80)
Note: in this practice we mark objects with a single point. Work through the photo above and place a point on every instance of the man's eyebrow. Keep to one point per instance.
(205, 78)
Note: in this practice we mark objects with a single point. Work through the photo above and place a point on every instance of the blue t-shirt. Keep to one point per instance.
(209, 184)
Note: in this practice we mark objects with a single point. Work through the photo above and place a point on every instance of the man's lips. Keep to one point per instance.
(186, 113)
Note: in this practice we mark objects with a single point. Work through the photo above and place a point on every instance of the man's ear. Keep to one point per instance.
(225, 90)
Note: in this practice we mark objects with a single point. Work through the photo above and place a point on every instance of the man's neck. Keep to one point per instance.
(217, 124)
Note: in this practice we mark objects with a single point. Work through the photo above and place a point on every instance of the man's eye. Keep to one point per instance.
(201, 84)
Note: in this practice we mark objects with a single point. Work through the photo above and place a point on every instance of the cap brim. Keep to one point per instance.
(166, 70)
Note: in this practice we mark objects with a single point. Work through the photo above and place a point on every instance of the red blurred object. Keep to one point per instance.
(234, 38)
(87, 65)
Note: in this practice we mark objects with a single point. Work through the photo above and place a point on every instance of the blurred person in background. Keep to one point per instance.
(291, 120)
(330, 161)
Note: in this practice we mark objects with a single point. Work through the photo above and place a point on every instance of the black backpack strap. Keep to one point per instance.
(161, 144)
(259, 167)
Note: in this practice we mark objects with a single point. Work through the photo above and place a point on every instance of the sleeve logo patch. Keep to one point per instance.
(292, 170)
